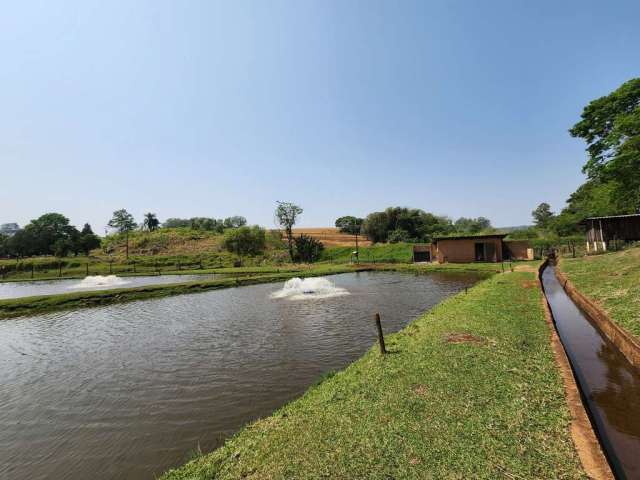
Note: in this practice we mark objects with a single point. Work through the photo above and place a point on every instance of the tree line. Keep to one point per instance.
(402, 224)
(49, 234)
(610, 126)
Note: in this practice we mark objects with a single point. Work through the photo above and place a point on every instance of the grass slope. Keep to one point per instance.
(380, 252)
(613, 281)
(432, 409)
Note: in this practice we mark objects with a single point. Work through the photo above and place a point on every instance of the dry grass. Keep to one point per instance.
(331, 237)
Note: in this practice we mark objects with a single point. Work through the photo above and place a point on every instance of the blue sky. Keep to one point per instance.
(344, 107)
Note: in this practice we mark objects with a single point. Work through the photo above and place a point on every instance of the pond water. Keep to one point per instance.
(129, 390)
(97, 282)
(610, 385)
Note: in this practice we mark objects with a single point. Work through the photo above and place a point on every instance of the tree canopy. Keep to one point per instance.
(611, 127)
(349, 224)
(286, 215)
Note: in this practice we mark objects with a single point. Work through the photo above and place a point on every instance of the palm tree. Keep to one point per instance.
(150, 222)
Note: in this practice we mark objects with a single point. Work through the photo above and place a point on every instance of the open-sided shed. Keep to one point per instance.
(602, 230)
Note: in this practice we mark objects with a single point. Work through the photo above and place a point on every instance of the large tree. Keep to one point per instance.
(88, 240)
(611, 127)
(286, 215)
(123, 222)
(351, 225)
(542, 215)
(150, 222)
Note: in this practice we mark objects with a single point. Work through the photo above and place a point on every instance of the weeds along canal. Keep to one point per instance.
(609, 384)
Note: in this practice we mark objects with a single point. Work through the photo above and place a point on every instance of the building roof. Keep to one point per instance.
(613, 216)
(470, 237)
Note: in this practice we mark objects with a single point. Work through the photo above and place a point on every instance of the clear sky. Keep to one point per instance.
(204, 108)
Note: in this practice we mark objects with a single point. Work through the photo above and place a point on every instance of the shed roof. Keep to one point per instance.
(613, 216)
(470, 237)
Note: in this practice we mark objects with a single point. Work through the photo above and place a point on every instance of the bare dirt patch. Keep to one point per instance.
(420, 390)
(464, 338)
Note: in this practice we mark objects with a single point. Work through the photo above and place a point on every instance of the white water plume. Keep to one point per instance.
(301, 289)
(100, 281)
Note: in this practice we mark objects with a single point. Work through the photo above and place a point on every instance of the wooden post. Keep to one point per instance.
(157, 270)
(134, 266)
(200, 264)
(59, 269)
(32, 270)
(179, 266)
(383, 349)
(111, 267)
(87, 270)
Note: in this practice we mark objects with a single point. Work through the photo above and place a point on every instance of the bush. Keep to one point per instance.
(245, 240)
(308, 249)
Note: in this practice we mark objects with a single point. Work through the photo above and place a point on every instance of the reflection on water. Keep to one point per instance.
(610, 384)
(97, 282)
(127, 391)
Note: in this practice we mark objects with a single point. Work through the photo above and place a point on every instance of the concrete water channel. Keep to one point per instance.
(609, 384)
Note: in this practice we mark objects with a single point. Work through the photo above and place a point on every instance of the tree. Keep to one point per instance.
(234, 222)
(176, 223)
(398, 235)
(472, 225)
(351, 225)
(245, 240)
(418, 225)
(308, 249)
(124, 222)
(286, 215)
(88, 239)
(611, 127)
(150, 222)
(542, 216)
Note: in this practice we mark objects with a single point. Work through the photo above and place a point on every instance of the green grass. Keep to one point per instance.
(613, 281)
(381, 252)
(430, 409)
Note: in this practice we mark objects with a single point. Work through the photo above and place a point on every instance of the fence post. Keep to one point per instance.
(134, 266)
(32, 270)
(60, 269)
(200, 264)
(87, 269)
(383, 349)
(111, 267)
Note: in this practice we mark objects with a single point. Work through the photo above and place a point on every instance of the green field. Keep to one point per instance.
(469, 390)
(379, 253)
(613, 281)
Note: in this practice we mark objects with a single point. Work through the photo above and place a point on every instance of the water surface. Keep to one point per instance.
(51, 287)
(127, 391)
(609, 383)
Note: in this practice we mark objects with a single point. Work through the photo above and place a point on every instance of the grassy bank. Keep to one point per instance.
(469, 390)
(613, 281)
(379, 253)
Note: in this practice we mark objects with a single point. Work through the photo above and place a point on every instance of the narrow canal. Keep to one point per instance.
(610, 385)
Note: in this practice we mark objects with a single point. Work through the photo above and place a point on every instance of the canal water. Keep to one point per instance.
(129, 390)
(609, 383)
(91, 283)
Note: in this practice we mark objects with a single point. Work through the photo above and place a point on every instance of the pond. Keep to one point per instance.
(91, 283)
(129, 390)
